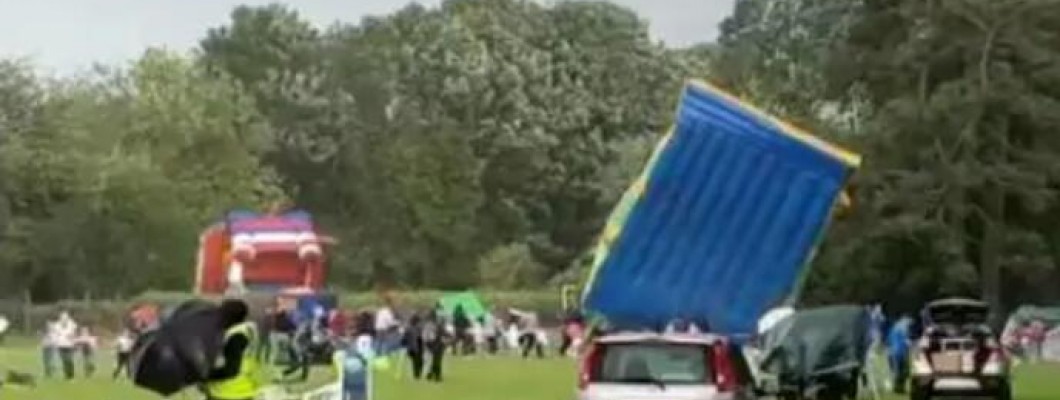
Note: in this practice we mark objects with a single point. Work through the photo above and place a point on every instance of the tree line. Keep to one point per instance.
(483, 142)
(479, 143)
(954, 105)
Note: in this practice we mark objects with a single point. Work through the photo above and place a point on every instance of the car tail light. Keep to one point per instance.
(724, 373)
(995, 361)
(589, 361)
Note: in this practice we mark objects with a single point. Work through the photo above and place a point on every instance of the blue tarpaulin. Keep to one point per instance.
(721, 223)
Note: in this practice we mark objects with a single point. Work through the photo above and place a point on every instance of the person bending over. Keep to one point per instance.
(238, 377)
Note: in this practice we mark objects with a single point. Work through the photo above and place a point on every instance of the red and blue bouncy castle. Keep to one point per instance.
(277, 251)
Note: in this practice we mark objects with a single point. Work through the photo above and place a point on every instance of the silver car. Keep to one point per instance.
(653, 366)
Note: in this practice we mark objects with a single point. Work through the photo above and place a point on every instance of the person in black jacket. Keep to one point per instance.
(463, 343)
(433, 336)
(414, 346)
(300, 351)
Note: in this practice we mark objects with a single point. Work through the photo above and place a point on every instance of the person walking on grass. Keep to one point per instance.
(300, 351)
(86, 344)
(462, 331)
(434, 336)
(65, 341)
(414, 345)
(898, 353)
(386, 326)
(49, 353)
(531, 337)
(124, 346)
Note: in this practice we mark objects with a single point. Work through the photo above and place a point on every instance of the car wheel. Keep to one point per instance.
(919, 392)
(1004, 391)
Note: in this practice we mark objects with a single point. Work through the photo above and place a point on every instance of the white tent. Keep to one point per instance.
(773, 317)
(1051, 346)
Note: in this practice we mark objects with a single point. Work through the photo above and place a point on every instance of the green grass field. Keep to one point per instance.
(498, 378)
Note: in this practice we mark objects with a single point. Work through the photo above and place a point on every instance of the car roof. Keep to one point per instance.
(957, 301)
(679, 338)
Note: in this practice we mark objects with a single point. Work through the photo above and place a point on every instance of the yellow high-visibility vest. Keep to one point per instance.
(248, 381)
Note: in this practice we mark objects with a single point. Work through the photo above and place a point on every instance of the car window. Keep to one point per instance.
(658, 363)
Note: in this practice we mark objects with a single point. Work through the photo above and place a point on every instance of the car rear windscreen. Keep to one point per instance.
(653, 363)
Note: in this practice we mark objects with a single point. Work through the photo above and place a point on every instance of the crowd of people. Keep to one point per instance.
(1027, 340)
(424, 336)
(64, 342)
(297, 340)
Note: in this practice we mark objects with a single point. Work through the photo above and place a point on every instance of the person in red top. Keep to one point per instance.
(573, 332)
(338, 324)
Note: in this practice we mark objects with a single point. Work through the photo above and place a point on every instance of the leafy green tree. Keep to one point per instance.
(510, 267)
(533, 102)
(948, 102)
(960, 139)
(119, 172)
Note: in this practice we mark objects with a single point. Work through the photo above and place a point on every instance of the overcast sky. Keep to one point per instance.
(65, 36)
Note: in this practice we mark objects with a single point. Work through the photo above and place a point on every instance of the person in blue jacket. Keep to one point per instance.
(354, 363)
(898, 352)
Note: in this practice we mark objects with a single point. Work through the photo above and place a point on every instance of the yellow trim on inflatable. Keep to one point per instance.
(639, 186)
(852, 159)
(614, 225)
(611, 233)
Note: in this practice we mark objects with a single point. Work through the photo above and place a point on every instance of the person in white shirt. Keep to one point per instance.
(124, 345)
(48, 350)
(65, 335)
(531, 337)
(236, 285)
(384, 319)
(364, 345)
(387, 328)
(511, 336)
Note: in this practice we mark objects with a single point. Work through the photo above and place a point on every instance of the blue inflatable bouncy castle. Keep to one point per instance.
(719, 227)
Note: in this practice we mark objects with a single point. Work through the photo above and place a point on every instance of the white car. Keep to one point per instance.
(958, 354)
(667, 366)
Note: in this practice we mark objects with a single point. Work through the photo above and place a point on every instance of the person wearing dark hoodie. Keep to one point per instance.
(300, 350)
(433, 335)
(462, 329)
(414, 345)
(237, 378)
